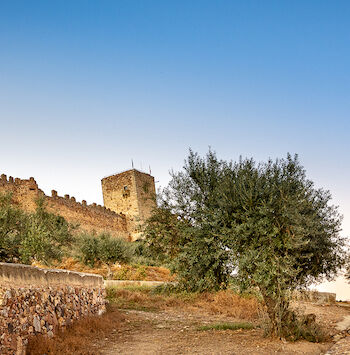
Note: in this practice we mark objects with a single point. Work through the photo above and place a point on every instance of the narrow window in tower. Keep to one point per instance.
(126, 191)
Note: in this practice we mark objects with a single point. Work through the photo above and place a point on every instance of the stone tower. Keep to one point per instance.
(132, 193)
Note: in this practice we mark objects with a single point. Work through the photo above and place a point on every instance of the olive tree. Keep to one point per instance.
(267, 220)
(283, 231)
(183, 229)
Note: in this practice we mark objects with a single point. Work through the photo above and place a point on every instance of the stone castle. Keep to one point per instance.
(129, 198)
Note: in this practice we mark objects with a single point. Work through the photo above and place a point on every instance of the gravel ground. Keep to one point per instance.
(175, 332)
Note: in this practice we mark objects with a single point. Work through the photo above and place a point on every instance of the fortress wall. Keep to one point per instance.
(40, 301)
(89, 217)
(24, 192)
(118, 199)
(146, 194)
(132, 192)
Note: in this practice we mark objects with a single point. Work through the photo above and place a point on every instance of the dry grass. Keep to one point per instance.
(231, 304)
(226, 302)
(120, 272)
(77, 338)
(142, 272)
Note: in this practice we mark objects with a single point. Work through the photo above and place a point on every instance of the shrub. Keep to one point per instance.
(112, 249)
(26, 237)
(88, 249)
(103, 248)
(13, 223)
(47, 236)
(296, 327)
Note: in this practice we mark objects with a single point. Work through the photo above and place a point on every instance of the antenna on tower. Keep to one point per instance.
(132, 163)
(150, 172)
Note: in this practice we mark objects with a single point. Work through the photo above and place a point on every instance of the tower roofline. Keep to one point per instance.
(125, 171)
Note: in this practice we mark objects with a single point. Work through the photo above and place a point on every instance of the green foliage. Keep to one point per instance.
(164, 234)
(36, 243)
(227, 326)
(114, 249)
(103, 248)
(284, 231)
(47, 236)
(267, 221)
(182, 230)
(202, 264)
(13, 224)
(88, 249)
(27, 237)
(141, 255)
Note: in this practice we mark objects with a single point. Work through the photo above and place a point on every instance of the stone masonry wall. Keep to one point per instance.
(146, 193)
(90, 217)
(120, 194)
(40, 301)
(132, 192)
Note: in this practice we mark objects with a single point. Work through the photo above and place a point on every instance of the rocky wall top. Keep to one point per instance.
(18, 275)
(66, 200)
(91, 217)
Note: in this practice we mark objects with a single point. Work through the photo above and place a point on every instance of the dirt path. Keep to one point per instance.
(174, 332)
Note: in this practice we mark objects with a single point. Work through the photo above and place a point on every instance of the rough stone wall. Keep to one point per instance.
(119, 193)
(37, 301)
(314, 296)
(132, 192)
(146, 193)
(90, 217)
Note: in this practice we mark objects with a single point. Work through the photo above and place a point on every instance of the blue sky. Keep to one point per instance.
(86, 86)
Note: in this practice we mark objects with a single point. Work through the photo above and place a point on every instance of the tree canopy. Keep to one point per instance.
(265, 220)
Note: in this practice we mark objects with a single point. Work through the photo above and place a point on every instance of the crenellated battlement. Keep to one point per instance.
(129, 197)
(91, 217)
(30, 183)
(72, 202)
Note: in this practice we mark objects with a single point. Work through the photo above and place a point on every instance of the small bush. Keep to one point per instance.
(302, 328)
(113, 250)
(88, 249)
(13, 223)
(26, 237)
(103, 248)
(297, 327)
(141, 254)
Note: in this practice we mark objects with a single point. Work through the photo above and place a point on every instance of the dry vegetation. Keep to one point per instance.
(79, 338)
(226, 302)
(143, 318)
(119, 271)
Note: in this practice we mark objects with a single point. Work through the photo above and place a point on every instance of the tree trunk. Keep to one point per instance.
(278, 312)
(271, 306)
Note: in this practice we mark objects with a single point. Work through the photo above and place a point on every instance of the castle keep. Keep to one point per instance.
(129, 198)
(131, 192)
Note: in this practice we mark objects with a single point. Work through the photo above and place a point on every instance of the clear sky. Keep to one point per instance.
(86, 86)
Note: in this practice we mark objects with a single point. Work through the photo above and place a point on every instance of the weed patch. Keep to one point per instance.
(224, 302)
(227, 326)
